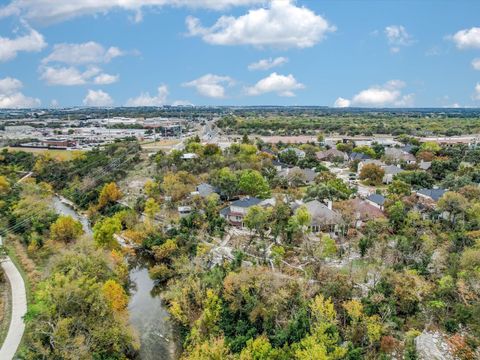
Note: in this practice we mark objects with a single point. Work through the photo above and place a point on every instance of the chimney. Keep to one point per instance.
(330, 204)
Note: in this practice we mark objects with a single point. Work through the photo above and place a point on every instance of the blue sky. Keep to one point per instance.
(154, 52)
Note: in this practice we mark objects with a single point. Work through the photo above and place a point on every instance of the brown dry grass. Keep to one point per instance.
(28, 265)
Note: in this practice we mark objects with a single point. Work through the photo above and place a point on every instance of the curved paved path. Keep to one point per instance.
(19, 309)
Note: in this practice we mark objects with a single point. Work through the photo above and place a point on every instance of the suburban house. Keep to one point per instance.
(427, 202)
(323, 217)
(332, 155)
(300, 153)
(390, 172)
(356, 156)
(297, 175)
(360, 211)
(431, 194)
(376, 200)
(204, 190)
(236, 212)
(397, 155)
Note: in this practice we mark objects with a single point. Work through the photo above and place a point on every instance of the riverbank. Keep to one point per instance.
(147, 312)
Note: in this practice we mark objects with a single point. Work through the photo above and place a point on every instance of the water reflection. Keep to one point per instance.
(148, 315)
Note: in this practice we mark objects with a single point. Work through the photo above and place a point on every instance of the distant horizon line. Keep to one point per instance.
(240, 106)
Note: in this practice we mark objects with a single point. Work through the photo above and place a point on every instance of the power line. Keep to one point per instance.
(102, 174)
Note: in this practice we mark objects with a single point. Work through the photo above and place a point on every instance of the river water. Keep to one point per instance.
(148, 314)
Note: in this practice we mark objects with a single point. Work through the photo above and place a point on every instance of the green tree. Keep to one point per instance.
(227, 182)
(430, 146)
(151, 208)
(323, 343)
(104, 230)
(258, 219)
(454, 204)
(320, 137)
(70, 316)
(417, 179)
(399, 188)
(259, 349)
(254, 184)
(66, 229)
(396, 214)
(288, 157)
(372, 174)
(367, 150)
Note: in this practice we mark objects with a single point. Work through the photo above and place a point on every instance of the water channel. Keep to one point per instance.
(148, 314)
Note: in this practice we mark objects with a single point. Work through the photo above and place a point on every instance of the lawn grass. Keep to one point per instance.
(5, 308)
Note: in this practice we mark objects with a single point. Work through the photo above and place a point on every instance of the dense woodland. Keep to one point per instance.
(350, 124)
(287, 293)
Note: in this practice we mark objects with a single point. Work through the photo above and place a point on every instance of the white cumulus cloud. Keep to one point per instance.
(145, 99)
(266, 64)
(386, 95)
(59, 10)
(476, 96)
(84, 56)
(283, 85)
(281, 25)
(72, 76)
(105, 79)
(341, 103)
(81, 54)
(12, 98)
(397, 37)
(211, 85)
(97, 98)
(476, 64)
(31, 42)
(467, 38)
(67, 76)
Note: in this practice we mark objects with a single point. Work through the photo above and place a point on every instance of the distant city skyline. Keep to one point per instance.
(239, 52)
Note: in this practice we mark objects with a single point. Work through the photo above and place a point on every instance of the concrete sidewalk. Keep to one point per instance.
(19, 309)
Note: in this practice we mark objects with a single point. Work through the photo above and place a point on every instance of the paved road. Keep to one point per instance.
(19, 309)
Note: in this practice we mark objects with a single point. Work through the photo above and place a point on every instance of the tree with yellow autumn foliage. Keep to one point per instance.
(115, 295)
(66, 229)
(109, 194)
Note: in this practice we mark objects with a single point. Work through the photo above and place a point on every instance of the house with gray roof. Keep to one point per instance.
(323, 217)
(390, 172)
(236, 212)
(331, 155)
(297, 176)
(204, 190)
(376, 200)
(431, 194)
(356, 156)
(397, 155)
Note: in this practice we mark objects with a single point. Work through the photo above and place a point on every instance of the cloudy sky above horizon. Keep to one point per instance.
(59, 53)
